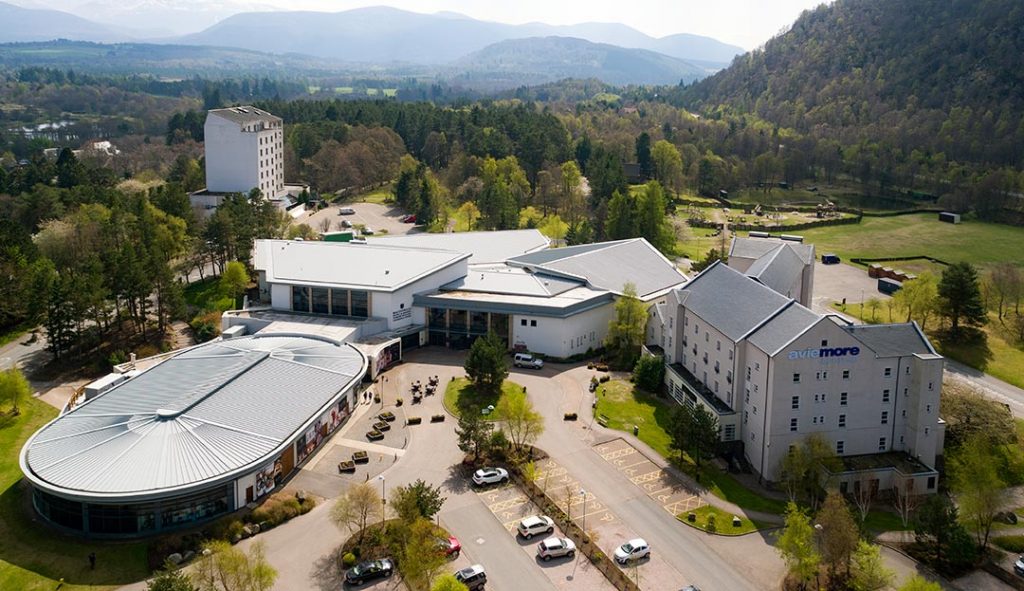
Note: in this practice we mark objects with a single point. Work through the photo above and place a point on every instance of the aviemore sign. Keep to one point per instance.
(825, 352)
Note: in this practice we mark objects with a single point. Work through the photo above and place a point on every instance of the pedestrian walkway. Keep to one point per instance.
(671, 494)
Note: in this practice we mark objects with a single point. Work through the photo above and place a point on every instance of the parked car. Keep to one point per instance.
(490, 476)
(451, 546)
(1018, 567)
(473, 577)
(369, 570)
(691, 588)
(534, 525)
(555, 547)
(632, 550)
(409, 219)
(346, 224)
(346, 211)
(367, 231)
(528, 361)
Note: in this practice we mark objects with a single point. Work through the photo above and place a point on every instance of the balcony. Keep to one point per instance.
(695, 388)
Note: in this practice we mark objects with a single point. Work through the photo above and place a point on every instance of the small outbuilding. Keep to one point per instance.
(830, 259)
(949, 217)
(889, 286)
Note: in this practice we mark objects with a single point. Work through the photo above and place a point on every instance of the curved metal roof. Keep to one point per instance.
(206, 415)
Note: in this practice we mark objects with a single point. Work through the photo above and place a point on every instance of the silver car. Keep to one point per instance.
(555, 547)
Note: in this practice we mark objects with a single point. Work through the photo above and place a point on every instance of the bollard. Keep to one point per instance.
(636, 430)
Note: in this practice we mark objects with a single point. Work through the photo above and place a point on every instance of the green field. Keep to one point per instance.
(841, 195)
(33, 557)
(723, 521)
(922, 234)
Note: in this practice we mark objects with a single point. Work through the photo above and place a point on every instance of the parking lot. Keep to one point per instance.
(510, 505)
(656, 482)
(832, 283)
(383, 219)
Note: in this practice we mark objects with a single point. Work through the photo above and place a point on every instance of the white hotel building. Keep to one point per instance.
(772, 371)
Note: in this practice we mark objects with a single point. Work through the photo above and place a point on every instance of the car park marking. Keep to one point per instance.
(508, 504)
(659, 484)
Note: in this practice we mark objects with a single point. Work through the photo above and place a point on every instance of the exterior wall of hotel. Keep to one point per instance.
(238, 161)
(562, 337)
(709, 355)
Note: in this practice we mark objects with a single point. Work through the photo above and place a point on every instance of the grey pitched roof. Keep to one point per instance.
(609, 266)
(245, 114)
(485, 247)
(512, 281)
(779, 269)
(730, 301)
(755, 248)
(785, 326)
(892, 340)
(203, 416)
(341, 264)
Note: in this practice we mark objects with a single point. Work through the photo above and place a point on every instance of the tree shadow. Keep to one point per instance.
(458, 479)
(327, 573)
(969, 347)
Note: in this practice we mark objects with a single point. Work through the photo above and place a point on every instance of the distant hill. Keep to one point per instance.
(544, 59)
(942, 77)
(383, 34)
(27, 24)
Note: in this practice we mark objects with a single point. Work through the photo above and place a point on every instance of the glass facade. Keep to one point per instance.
(360, 304)
(126, 520)
(300, 298)
(459, 328)
(339, 302)
(320, 303)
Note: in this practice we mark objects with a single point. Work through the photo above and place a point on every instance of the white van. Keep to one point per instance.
(528, 361)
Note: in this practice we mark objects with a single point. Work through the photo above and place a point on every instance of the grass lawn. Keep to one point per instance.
(14, 333)
(723, 521)
(33, 557)
(980, 243)
(200, 294)
(694, 243)
(379, 196)
(624, 406)
(460, 396)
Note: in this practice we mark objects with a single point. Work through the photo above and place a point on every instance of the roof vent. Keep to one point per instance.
(166, 413)
(387, 272)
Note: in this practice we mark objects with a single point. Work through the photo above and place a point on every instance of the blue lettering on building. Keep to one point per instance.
(825, 352)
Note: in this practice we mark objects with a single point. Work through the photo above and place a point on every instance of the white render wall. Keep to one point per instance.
(563, 337)
(239, 160)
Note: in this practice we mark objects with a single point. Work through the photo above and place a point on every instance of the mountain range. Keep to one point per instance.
(384, 36)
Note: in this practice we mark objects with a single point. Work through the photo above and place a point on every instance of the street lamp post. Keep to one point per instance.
(583, 493)
(383, 388)
(382, 499)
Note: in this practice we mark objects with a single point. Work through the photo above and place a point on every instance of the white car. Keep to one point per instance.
(490, 476)
(534, 525)
(367, 231)
(528, 361)
(1018, 567)
(554, 547)
(346, 211)
(632, 550)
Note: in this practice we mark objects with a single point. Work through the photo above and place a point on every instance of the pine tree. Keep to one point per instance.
(960, 297)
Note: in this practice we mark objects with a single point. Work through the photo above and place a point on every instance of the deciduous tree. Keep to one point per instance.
(626, 331)
(797, 547)
(474, 433)
(417, 500)
(869, 572)
(838, 534)
(448, 583)
(226, 568)
(522, 423)
(14, 387)
(693, 432)
(981, 493)
(170, 579)
(357, 507)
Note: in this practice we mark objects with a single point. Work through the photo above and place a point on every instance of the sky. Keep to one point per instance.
(747, 23)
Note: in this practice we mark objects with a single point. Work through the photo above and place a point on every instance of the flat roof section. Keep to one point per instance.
(348, 265)
(206, 415)
(485, 247)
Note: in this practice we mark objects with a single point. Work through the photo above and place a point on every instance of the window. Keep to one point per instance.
(729, 433)
(745, 416)
(533, 323)
(696, 328)
(888, 372)
(928, 408)
(901, 439)
(926, 430)
(718, 346)
(903, 413)
(755, 387)
(730, 354)
(821, 376)
(929, 386)
(881, 444)
(885, 395)
(795, 404)
(716, 386)
(320, 300)
(842, 420)
(885, 417)
(794, 424)
(757, 366)
(717, 369)
(360, 304)
(824, 342)
(840, 448)
(755, 409)
(796, 378)
(300, 298)
(339, 303)
(707, 337)
(931, 482)
(846, 374)
(747, 397)
(728, 376)
(814, 420)
(842, 398)
(748, 372)
(522, 322)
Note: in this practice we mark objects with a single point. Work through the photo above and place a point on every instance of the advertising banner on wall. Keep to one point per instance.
(266, 479)
(323, 426)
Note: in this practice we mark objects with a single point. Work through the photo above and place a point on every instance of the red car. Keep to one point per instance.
(409, 219)
(452, 547)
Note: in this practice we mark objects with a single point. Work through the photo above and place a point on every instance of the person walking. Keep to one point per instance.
(92, 561)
